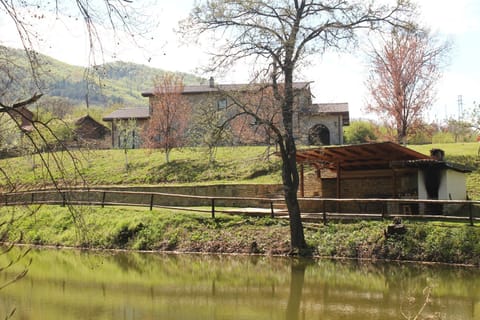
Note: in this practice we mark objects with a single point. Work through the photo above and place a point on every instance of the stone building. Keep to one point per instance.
(127, 125)
(322, 123)
(314, 124)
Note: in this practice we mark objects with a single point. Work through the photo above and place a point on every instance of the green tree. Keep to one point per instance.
(279, 36)
(462, 130)
(128, 137)
(360, 131)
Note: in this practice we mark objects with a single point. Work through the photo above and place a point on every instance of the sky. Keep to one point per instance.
(335, 77)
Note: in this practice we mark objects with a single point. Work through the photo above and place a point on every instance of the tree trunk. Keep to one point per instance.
(167, 155)
(290, 187)
(289, 167)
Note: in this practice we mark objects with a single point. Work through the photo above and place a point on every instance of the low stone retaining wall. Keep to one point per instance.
(221, 190)
(238, 191)
(156, 195)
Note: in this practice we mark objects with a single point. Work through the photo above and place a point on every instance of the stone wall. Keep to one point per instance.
(365, 184)
(187, 195)
(203, 192)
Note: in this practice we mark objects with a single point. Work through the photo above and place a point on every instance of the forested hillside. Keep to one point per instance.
(106, 84)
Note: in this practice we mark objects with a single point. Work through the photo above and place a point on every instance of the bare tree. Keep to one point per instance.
(279, 36)
(402, 80)
(17, 94)
(117, 15)
(474, 117)
(169, 115)
(258, 100)
(209, 128)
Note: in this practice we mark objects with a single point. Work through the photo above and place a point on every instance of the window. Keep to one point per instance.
(222, 104)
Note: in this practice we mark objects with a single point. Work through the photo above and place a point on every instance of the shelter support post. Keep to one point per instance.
(302, 181)
(339, 185)
(395, 186)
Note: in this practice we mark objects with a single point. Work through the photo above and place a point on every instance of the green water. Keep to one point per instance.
(69, 284)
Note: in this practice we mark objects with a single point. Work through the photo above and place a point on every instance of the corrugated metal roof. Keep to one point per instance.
(128, 113)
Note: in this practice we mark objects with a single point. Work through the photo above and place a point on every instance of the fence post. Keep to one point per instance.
(103, 199)
(324, 212)
(151, 202)
(6, 199)
(471, 213)
(64, 199)
(213, 208)
(33, 198)
(272, 213)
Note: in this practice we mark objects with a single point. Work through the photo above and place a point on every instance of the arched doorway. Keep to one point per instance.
(319, 135)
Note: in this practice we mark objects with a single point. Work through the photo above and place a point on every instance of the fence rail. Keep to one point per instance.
(313, 209)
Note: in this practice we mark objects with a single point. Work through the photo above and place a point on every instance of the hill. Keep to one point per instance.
(105, 84)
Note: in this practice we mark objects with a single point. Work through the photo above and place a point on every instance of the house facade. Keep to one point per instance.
(322, 123)
(314, 124)
(127, 125)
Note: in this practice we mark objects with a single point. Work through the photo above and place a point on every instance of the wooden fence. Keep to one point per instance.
(313, 209)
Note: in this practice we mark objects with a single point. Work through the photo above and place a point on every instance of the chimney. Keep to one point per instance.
(212, 82)
(437, 154)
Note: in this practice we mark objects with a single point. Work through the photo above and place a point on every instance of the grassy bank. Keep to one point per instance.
(140, 167)
(189, 166)
(167, 230)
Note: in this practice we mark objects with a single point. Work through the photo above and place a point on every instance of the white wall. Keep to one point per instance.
(455, 186)
(452, 185)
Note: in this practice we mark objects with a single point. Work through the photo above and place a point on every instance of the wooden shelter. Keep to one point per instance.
(378, 170)
(90, 132)
(88, 128)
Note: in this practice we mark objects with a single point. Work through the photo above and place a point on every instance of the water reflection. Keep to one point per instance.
(85, 285)
(297, 278)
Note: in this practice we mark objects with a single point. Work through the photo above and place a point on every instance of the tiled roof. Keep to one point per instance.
(128, 113)
(432, 163)
(223, 87)
(330, 107)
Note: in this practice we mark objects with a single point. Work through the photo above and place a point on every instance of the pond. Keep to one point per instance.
(70, 284)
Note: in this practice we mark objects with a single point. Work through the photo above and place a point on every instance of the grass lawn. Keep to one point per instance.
(140, 166)
(187, 166)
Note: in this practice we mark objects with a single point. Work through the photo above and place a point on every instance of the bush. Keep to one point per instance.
(360, 132)
(443, 137)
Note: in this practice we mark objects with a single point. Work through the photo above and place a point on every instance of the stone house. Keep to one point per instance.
(325, 122)
(127, 125)
(318, 124)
